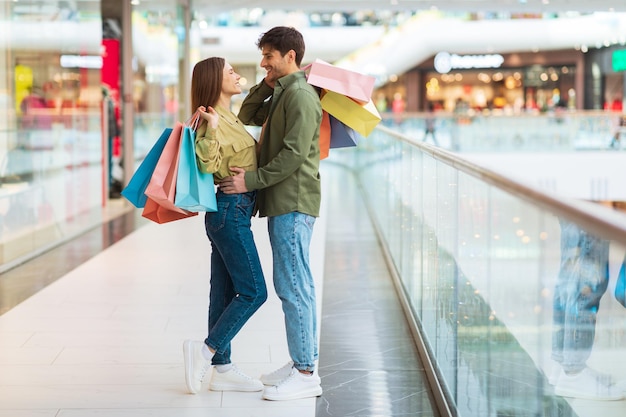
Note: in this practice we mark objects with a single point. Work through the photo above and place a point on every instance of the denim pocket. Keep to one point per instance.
(214, 221)
(246, 201)
(309, 221)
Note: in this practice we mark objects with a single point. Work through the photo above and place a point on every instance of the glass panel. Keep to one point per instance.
(503, 289)
(158, 33)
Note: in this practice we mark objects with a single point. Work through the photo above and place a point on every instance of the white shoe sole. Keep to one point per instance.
(564, 392)
(233, 387)
(188, 358)
(277, 396)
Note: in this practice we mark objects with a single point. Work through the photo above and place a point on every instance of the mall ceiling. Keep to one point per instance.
(517, 6)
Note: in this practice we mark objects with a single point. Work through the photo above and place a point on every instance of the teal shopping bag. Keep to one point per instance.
(195, 190)
(620, 286)
(134, 191)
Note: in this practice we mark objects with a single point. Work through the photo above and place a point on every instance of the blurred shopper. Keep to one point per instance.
(289, 194)
(237, 283)
(582, 281)
(429, 125)
(398, 107)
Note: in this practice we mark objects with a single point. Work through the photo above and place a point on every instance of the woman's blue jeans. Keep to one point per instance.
(290, 236)
(237, 283)
(582, 281)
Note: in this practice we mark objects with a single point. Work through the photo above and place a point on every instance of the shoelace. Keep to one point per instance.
(291, 376)
(238, 372)
(204, 369)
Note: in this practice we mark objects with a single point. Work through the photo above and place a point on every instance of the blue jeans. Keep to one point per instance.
(237, 282)
(290, 236)
(582, 281)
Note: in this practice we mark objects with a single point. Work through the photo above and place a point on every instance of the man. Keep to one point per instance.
(289, 194)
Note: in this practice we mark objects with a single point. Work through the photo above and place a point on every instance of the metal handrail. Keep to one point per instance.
(600, 221)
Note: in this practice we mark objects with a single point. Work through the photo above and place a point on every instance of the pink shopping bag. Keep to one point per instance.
(162, 186)
(352, 84)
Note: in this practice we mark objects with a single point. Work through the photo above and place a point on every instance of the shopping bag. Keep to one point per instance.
(342, 81)
(342, 136)
(195, 190)
(135, 190)
(324, 135)
(159, 214)
(620, 286)
(162, 185)
(363, 118)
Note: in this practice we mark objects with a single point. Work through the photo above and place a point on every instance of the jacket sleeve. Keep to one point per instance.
(208, 151)
(256, 106)
(303, 115)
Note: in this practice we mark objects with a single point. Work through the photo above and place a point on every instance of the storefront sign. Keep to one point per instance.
(81, 61)
(619, 60)
(445, 62)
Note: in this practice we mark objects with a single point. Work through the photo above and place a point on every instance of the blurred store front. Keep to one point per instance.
(62, 111)
(515, 83)
(499, 83)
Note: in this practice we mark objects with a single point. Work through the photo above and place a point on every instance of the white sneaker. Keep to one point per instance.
(621, 385)
(555, 373)
(275, 377)
(196, 365)
(294, 387)
(234, 380)
(589, 385)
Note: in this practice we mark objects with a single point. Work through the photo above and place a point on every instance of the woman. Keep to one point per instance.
(237, 282)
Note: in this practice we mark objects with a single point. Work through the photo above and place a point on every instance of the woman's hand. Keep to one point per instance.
(210, 115)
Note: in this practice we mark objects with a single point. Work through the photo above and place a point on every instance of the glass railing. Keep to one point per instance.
(503, 282)
(497, 131)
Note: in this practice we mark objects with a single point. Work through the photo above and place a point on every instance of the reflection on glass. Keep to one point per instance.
(50, 124)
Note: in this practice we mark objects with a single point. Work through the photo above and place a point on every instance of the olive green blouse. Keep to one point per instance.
(230, 145)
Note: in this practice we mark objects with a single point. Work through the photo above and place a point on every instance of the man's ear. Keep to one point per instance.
(292, 55)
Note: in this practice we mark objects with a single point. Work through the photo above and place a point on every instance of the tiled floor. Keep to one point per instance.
(105, 338)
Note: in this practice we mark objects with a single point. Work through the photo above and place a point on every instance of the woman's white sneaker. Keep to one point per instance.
(234, 380)
(296, 386)
(196, 365)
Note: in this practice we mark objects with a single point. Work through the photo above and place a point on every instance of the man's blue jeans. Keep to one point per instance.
(290, 236)
(582, 281)
(237, 282)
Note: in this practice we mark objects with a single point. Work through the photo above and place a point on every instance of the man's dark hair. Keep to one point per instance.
(283, 39)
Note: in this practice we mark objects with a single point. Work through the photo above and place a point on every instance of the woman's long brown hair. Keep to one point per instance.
(206, 82)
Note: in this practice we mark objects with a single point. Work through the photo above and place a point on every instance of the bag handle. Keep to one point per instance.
(193, 121)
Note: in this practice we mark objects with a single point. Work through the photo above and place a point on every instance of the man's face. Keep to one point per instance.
(275, 64)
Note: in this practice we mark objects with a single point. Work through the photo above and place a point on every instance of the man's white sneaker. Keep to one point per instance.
(234, 380)
(196, 365)
(275, 377)
(555, 373)
(588, 385)
(294, 387)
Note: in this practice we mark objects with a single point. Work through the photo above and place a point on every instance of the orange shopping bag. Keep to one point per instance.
(159, 214)
(324, 135)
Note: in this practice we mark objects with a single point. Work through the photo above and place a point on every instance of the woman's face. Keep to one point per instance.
(230, 84)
